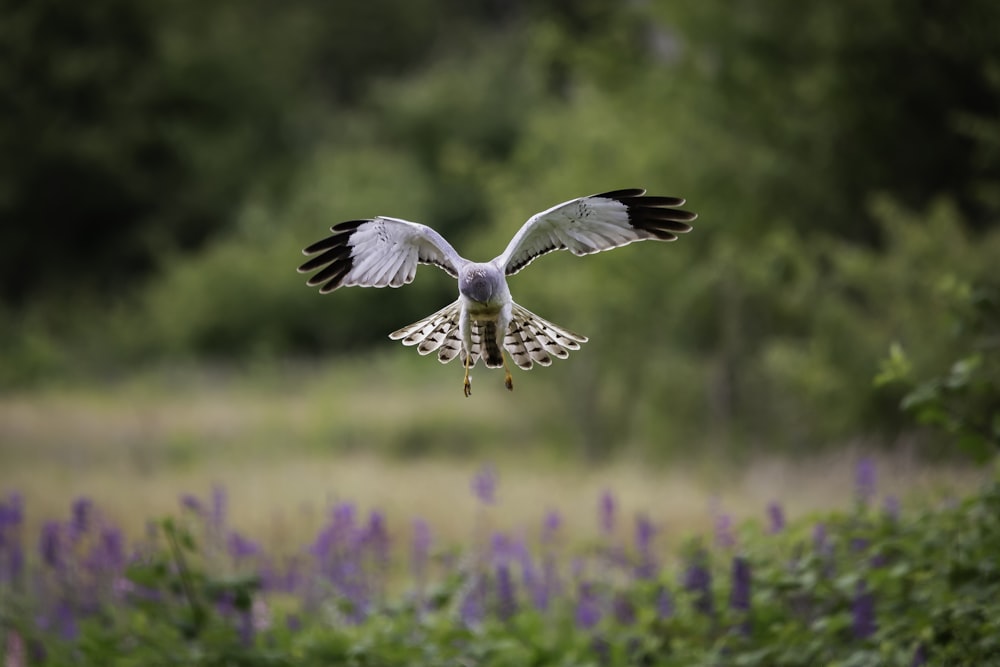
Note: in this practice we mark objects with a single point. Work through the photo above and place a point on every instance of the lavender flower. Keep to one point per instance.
(240, 547)
(12, 512)
(506, 597)
(550, 526)
(83, 510)
(739, 596)
(864, 481)
(66, 622)
(724, 537)
(623, 609)
(588, 608)
(664, 603)
(420, 548)
(607, 511)
(190, 501)
(50, 544)
(647, 567)
(698, 579)
(376, 537)
(484, 485)
(471, 610)
(776, 518)
(863, 612)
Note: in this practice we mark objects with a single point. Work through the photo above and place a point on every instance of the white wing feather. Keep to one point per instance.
(379, 252)
(591, 224)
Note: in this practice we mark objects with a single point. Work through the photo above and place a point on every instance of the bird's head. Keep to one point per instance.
(479, 282)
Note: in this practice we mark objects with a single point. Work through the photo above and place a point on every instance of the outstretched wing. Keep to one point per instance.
(595, 223)
(378, 252)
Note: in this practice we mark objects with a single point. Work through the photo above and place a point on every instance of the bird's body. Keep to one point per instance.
(485, 320)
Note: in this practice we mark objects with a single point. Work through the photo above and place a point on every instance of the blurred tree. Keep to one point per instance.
(125, 137)
(135, 128)
(854, 98)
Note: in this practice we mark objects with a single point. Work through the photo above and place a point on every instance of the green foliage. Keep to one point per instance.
(963, 401)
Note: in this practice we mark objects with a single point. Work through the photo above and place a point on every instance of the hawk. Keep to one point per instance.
(484, 320)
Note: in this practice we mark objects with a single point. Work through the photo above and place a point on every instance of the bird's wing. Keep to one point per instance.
(595, 223)
(378, 252)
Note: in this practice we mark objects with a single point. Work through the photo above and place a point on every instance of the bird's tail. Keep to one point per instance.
(436, 332)
(531, 339)
(440, 332)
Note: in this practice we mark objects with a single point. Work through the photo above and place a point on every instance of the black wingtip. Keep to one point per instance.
(656, 214)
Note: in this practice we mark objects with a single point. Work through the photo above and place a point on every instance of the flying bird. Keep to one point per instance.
(484, 320)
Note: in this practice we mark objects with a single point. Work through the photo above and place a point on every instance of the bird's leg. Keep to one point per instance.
(467, 387)
(508, 381)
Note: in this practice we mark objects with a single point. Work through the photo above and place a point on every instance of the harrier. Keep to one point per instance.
(484, 320)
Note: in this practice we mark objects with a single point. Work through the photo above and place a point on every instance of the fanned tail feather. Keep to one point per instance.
(531, 339)
(439, 332)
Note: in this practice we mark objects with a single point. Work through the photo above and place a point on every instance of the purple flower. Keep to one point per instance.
(698, 579)
(919, 656)
(724, 537)
(377, 538)
(191, 502)
(50, 544)
(623, 609)
(66, 622)
(776, 518)
(240, 547)
(83, 510)
(471, 610)
(550, 526)
(12, 512)
(113, 547)
(420, 548)
(588, 608)
(863, 612)
(864, 480)
(484, 485)
(606, 512)
(739, 597)
(664, 603)
(506, 598)
(644, 534)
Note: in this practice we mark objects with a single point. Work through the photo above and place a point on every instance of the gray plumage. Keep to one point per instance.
(484, 320)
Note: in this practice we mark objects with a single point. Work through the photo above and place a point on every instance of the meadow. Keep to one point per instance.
(238, 518)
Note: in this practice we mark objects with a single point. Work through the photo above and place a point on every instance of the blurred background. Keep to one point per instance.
(162, 163)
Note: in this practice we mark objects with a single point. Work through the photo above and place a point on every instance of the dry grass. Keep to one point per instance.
(135, 447)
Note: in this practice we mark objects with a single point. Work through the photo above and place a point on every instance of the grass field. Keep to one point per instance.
(285, 446)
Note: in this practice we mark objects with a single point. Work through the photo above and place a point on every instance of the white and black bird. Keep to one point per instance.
(485, 320)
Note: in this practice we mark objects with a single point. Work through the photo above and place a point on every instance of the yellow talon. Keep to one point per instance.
(467, 388)
(508, 381)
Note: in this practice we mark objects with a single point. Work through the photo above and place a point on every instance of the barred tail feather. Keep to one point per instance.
(440, 332)
(531, 339)
(436, 332)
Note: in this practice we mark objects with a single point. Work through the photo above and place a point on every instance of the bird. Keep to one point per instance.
(484, 320)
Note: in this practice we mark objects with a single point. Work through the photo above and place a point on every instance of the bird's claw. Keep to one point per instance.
(467, 388)
(508, 382)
